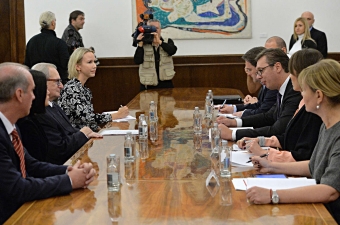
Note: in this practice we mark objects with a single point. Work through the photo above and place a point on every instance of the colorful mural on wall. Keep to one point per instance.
(194, 19)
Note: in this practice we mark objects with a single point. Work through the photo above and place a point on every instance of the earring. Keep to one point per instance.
(318, 107)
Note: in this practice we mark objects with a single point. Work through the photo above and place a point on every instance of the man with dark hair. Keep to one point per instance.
(318, 36)
(272, 71)
(22, 177)
(71, 34)
(266, 98)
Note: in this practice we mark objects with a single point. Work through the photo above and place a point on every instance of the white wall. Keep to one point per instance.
(108, 25)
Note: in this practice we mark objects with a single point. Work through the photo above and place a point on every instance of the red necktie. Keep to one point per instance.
(19, 149)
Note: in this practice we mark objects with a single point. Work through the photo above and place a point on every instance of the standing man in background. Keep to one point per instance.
(318, 36)
(71, 34)
(46, 47)
(156, 67)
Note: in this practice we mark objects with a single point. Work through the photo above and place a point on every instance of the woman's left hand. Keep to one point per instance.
(258, 195)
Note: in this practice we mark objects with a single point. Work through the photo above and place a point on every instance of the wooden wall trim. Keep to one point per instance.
(12, 26)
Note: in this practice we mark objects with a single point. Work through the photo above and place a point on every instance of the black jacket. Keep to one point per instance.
(305, 44)
(46, 47)
(266, 124)
(321, 41)
(301, 134)
(63, 139)
(43, 180)
(266, 99)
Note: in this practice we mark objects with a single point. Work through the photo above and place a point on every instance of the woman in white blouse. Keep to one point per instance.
(301, 38)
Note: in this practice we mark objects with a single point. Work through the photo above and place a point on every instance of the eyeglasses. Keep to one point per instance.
(58, 81)
(260, 71)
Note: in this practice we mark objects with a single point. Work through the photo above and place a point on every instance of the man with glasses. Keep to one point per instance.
(63, 139)
(266, 98)
(272, 71)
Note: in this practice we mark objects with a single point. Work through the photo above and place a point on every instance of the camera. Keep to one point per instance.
(145, 29)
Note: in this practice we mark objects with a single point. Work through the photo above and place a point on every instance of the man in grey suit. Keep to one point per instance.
(318, 36)
(63, 139)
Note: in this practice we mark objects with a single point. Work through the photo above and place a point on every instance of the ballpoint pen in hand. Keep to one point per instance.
(222, 104)
(261, 156)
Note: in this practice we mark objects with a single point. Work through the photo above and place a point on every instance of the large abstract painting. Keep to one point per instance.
(195, 19)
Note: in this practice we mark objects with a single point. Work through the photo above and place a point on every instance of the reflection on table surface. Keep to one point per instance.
(166, 184)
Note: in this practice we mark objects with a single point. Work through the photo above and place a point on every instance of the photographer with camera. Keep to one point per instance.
(71, 34)
(154, 56)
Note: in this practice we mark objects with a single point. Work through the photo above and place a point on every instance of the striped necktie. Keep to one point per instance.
(19, 149)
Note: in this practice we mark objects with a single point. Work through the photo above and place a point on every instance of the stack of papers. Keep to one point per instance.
(271, 183)
(125, 119)
(241, 158)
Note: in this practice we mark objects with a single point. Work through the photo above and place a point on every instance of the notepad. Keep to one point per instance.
(125, 119)
(228, 115)
(269, 183)
(116, 132)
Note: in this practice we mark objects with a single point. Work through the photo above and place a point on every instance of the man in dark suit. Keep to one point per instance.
(22, 177)
(318, 36)
(272, 70)
(266, 98)
(63, 139)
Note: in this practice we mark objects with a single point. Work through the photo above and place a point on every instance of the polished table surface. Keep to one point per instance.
(167, 183)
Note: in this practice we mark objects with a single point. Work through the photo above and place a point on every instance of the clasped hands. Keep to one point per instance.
(81, 174)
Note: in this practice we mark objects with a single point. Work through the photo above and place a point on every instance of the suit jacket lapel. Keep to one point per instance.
(59, 117)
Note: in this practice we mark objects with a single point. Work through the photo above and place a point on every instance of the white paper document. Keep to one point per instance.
(241, 158)
(271, 183)
(117, 132)
(125, 119)
(236, 148)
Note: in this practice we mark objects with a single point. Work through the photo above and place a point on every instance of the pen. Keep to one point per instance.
(261, 156)
(222, 104)
(121, 106)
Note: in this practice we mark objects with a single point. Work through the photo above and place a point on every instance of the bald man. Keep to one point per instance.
(318, 36)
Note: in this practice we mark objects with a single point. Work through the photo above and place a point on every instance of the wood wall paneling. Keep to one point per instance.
(12, 26)
(117, 80)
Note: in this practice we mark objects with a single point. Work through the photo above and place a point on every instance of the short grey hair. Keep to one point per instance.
(12, 77)
(153, 20)
(46, 19)
(44, 68)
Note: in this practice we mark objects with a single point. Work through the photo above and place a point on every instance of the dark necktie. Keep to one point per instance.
(19, 149)
(278, 105)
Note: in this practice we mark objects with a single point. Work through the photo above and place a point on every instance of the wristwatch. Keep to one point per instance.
(275, 197)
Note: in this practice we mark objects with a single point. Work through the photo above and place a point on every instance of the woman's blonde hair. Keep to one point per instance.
(323, 76)
(307, 35)
(75, 59)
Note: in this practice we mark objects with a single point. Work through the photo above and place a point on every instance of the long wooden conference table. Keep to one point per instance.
(167, 182)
